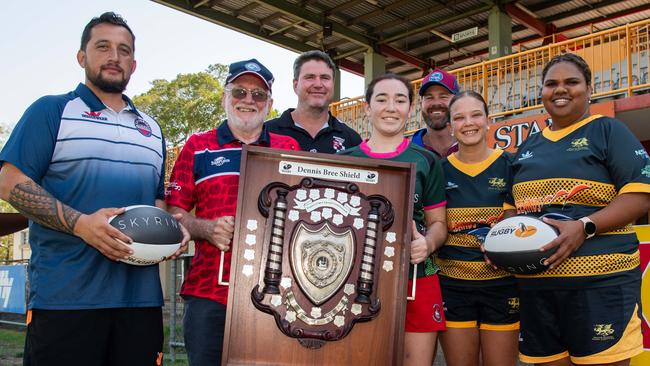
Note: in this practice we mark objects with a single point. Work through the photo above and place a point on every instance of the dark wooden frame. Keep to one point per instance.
(252, 336)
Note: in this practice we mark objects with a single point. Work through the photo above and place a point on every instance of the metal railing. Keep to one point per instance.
(618, 58)
(176, 305)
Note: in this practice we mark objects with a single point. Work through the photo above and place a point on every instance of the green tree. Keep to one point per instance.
(273, 113)
(187, 104)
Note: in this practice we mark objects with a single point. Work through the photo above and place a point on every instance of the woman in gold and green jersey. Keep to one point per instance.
(481, 303)
(584, 309)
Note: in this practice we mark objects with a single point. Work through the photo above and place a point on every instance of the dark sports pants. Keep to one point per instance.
(203, 326)
(98, 337)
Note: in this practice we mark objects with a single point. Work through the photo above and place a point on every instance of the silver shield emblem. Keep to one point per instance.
(321, 260)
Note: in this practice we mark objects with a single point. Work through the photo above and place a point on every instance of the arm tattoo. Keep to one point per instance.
(36, 203)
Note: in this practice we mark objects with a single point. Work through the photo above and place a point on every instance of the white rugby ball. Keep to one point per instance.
(513, 244)
(155, 233)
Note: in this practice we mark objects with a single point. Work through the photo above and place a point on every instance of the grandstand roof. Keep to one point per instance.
(414, 35)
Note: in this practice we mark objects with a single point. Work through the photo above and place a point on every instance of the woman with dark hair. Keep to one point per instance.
(585, 308)
(388, 104)
(481, 303)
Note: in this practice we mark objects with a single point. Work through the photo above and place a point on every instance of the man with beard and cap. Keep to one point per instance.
(311, 123)
(72, 162)
(435, 94)
(205, 178)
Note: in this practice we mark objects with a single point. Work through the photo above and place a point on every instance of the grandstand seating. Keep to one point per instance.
(512, 84)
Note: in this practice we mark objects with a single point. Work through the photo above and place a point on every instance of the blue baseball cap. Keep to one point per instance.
(252, 66)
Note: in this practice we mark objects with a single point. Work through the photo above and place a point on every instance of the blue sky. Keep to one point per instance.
(40, 40)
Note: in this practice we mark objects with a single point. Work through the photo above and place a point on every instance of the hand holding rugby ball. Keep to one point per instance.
(155, 234)
(513, 244)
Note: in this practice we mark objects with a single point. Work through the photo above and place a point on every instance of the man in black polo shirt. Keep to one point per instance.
(310, 123)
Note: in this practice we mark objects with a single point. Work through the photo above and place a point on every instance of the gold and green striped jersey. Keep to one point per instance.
(477, 195)
(577, 171)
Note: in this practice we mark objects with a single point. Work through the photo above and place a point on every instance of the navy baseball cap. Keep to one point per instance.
(252, 66)
(442, 78)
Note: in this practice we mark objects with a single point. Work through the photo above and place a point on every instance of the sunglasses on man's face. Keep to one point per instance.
(258, 95)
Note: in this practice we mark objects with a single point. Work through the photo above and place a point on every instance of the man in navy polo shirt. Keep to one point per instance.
(435, 94)
(71, 162)
(310, 123)
(205, 178)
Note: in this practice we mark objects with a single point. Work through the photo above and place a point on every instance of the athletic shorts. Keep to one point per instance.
(489, 307)
(592, 326)
(119, 337)
(425, 314)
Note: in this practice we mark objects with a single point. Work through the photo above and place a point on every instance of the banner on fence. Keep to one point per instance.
(12, 289)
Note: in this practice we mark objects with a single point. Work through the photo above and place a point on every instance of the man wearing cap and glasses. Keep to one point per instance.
(310, 123)
(435, 94)
(205, 177)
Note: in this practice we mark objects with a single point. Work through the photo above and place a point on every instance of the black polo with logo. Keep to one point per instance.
(331, 139)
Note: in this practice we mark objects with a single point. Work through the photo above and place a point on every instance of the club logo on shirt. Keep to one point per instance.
(142, 126)
(642, 153)
(579, 144)
(603, 332)
(646, 171)
(451, 185)
(219, 161)
(497, 183)
(526, 155)
(337, 143)
(94, 115)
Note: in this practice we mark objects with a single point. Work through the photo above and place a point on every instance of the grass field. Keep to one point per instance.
(12, 343)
